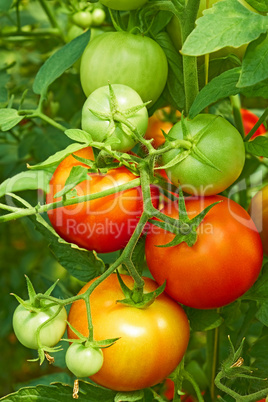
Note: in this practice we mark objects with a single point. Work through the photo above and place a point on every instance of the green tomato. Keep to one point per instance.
(123, 58)
(99, 128)
(123, 5)
(82, 19)
(26, 324)
(220, 143)
(83, 361)
(98, 16)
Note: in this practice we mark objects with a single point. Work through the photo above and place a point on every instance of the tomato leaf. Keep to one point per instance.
(59, 62)
(260, 5)
(203, 320)
(254, 66)
(129, 396)
(25, 181)
(224, 25)
(174, 89)
(219, 88)
(9, 118)
(262, 314)
(259, 291)
(57, 157)
(77, 175)
(258, 147)
(62, 393)
(78, 135)
(5, 5)
(82, 264)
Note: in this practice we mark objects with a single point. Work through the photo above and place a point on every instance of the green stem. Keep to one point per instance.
(235, 101)
(39, 210)
(257, 125)
(50, 15)
(187, 23)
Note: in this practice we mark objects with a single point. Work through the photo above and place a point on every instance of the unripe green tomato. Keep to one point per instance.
(221, 144)
(83, 361)
(98, 16)
(123, 5)
(26, 324)
(98, 128)
(82, 19)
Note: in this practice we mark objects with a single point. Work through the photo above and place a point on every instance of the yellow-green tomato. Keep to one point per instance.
(123, 5)
(83, 19)
(82, 360)
(212, 159)
(259, 213)
(98, 16)
(26, 324)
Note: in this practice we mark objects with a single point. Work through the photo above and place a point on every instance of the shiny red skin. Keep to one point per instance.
(105, 224)
(220, 267)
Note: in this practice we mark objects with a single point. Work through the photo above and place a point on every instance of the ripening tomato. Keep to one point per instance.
(249, 120)
(152, 340)
(222, 150)
(105, 224)
(259, 213)
(221, 266)
(158, 122)
(123, 58)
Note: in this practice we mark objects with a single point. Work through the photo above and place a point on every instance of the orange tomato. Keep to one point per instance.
(152, 340)
(158, 122)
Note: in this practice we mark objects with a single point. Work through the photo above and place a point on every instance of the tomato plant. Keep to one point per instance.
(82, 360)
(124, 367)
(208, 274)
(104, 224)
(123, 4)
(123, 58)
(27, 322)
(222, 158)
(100, 128)
(259, 212)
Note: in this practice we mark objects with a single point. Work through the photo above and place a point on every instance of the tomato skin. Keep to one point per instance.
(83, 361)
(222, 144)
(249, 120)
(157, 123)
(105, 224)
(26, 323)
(139, 359)
(82, 19)
(123, 5)
(98, 128)
(258, 211)
(222, 265)
(123, 58)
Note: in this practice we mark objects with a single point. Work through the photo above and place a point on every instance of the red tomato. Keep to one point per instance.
(249, 120)
(259, 212)
(152, 340)
(105, 224)
(222, 265)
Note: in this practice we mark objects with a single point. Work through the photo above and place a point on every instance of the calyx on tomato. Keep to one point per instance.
(184, 228)
(132, 296)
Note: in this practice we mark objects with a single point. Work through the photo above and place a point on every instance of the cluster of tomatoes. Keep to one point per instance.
(219, 266)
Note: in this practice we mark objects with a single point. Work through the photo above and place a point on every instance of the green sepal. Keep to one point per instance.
(31, 291)
(52, 287)
(77, 175)
(197, 154)
(178, 158)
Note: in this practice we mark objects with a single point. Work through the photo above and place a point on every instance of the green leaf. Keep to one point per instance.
(203, 320)
(57, 157)
(260, 89)
(258, 147)
(254, 66)
(9, 118)
(5, 5)
(175, 82)
(259, 291)
(78, 135)
(61, 393)
(4, 78)
(262, 314)
(129, 396)
(82, 264)
(220, 87)
(59, 62)
(259, 5)
(77, 175)
(25, 181)
(224, 25)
